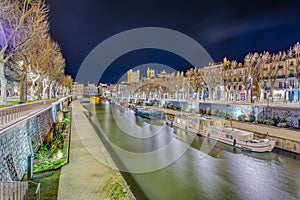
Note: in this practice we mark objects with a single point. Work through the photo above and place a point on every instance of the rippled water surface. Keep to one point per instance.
(182, 171)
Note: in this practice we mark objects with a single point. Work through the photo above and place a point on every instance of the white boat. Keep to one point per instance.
(85, 101)
(148, 112)
(220, 130)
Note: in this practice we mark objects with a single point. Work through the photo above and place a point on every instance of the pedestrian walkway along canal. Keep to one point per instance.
(158, 162)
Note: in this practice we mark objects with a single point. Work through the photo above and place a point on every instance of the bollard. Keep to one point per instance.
(29, 166)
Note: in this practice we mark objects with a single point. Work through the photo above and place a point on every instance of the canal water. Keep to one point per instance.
(160, 162)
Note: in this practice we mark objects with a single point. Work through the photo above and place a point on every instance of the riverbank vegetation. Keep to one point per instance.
(116, 189)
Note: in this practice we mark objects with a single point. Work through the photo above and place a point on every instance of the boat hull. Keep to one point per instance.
(265, 146)
(149, 114)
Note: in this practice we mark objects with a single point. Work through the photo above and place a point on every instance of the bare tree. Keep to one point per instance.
(38, 50)
(66, 83)
(15, 32)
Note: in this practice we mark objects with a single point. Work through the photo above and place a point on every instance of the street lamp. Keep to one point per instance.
(290, 94)
(285, 89)
(251, 88)
(204, 90)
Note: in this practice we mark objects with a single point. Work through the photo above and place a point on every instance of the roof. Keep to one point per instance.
(237, 131)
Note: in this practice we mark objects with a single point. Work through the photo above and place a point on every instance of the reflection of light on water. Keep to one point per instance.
(251, 174)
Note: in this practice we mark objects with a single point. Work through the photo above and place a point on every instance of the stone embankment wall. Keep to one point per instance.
(285, 144)
(18, 141)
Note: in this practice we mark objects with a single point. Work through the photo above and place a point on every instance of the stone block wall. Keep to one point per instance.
(15, 144)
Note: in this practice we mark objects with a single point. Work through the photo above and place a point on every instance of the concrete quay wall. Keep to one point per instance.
(20, 139)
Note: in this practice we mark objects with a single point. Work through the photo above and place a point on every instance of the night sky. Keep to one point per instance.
(230, 29)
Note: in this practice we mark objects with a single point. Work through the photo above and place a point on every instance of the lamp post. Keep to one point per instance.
(265, 92)
(251, 88)
(291, 94)
(284, 95)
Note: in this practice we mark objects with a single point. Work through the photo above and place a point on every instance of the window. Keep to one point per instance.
(292, 83)
(280, 85)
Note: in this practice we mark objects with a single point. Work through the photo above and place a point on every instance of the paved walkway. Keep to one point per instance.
(269, 104)
(283, 133)
(88, 169)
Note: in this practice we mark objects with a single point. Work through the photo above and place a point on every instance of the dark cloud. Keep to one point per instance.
(225, 28)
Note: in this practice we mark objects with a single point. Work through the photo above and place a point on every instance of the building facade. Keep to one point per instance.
(77, 89)
(133, 76)
(261, 77)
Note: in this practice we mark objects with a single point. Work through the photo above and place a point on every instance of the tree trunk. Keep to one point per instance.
(39, 90)
(3, 83)
(22, 87)
(49, 92)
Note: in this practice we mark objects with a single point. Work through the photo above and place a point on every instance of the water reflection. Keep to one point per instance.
(226, 173)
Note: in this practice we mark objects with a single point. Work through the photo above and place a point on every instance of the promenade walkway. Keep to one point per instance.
(90, 166)
(283, 133)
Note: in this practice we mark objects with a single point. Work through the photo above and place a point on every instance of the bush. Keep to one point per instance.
(252, 118)
(269, 122)
(242, 118)
(276, 120)
(215, 112)
(221, 114)
(260, 120)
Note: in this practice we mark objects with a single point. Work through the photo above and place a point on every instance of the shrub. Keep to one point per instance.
(269, 122)
(242, 117)
(252, 118)
(221, 114)
(260, 120)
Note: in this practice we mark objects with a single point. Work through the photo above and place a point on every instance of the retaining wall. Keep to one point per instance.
(19, 140)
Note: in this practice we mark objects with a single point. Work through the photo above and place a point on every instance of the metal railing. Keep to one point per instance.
(14, 190)
(14, 112)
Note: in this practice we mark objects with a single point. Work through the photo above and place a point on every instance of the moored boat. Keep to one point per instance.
(220, 130)
(149, 113)
(95, 99)
(240, 138)
(85, 101)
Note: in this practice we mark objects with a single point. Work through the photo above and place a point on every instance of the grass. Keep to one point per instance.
(116, 189)
(4, 106)
(48, 185)
(12, 102)
(49, 177)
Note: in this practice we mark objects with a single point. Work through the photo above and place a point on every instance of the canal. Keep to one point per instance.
(160, 162)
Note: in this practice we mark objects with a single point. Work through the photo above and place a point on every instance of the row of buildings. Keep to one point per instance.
(80, 90)
(261, 77)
